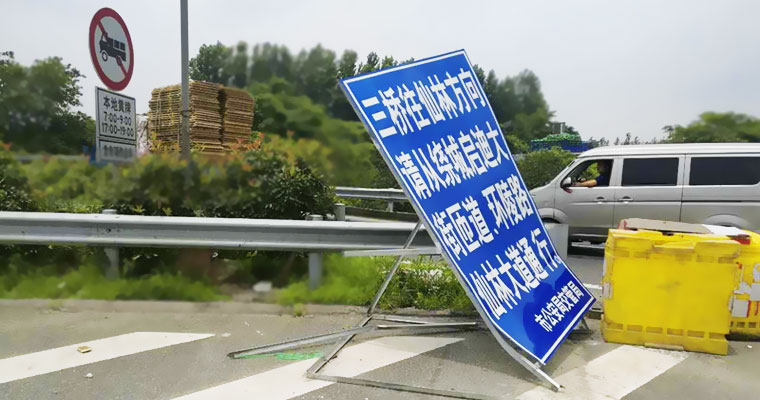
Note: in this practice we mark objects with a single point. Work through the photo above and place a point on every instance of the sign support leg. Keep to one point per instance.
(393, 269)
(363, 327)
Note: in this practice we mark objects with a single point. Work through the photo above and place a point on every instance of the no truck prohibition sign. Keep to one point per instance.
(111, 49)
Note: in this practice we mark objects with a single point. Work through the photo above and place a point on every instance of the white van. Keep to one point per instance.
(706, 183)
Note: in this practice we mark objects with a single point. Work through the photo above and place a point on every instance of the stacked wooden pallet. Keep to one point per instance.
(237, 116)
(205, 120)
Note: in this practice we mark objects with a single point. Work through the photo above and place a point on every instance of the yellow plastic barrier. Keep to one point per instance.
(745, 317)
(745, 305)
(668, 292)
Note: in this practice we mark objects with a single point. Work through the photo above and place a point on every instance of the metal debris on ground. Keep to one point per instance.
(84, 349)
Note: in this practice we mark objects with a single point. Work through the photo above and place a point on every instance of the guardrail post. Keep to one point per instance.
(390, 206)
(340, 212)
(112, 253)
(315, 260)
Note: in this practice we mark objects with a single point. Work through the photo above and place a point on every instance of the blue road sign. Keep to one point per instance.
(433, 124)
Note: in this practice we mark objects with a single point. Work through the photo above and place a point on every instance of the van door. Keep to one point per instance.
(650, 187)
(587, 210)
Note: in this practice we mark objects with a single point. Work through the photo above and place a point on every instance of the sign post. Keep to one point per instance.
(115, 127)
(433, 125)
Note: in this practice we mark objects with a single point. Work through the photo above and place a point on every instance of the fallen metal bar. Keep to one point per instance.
(401, 387)
(212, 233)
(319, 364)
(289, 344)
(430, 325)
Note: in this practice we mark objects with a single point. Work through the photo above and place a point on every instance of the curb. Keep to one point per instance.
(218, 307)
(186, 307)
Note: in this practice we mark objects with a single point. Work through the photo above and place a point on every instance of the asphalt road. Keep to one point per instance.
(172, 363)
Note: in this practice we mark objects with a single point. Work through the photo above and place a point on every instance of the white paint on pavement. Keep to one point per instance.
(611, 376)
(52, 360)
(290, 381)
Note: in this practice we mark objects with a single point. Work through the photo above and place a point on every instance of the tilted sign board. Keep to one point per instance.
(436, 130)
(115, 127)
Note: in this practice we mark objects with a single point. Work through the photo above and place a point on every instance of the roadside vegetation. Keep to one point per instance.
(305, 139)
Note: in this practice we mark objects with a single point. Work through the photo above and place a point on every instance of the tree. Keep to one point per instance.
(238, 66)
(316, 73)
(617, 141)
(270, 60)
(718, 127)
(539, 167)
(347, 64)
(211, 63)
(36, 103)
(372, 63)
(341, 108)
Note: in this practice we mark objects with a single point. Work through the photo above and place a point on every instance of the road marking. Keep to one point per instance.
(290, 381)
(43, 362)
(611, 376)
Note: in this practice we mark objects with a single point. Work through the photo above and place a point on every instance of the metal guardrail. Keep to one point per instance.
(213, 233)
(389, 194)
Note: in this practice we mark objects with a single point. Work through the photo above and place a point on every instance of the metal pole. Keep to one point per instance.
(315, 262)
(112, 254)
(393, 269)
(184, 139)
(340, 212)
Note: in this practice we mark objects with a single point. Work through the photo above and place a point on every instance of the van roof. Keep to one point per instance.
(685, 148)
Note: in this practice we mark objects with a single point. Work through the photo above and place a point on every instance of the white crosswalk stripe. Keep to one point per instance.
(43, 362)
(610, 376)
(290, 381)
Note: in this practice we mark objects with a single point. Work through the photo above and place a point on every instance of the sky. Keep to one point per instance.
(606, 67)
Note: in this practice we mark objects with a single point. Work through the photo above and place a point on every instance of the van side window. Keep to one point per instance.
(724, 171)
(650, 172)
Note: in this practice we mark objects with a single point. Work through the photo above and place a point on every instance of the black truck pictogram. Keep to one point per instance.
(112, 47)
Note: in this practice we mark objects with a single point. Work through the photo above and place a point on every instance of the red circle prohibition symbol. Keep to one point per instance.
(103, 55)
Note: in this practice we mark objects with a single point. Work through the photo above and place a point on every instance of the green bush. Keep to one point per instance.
(256, 184)
(68, 186)
(419, 283)
(253, 184)
(88, 282)
(539, 167)
(15, 194)
(573, 138)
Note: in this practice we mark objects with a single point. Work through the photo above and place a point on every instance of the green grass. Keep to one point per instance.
(88, 282)
(420, 283)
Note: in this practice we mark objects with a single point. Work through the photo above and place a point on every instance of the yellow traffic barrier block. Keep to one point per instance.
(667, 292)
(745, 312)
